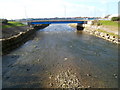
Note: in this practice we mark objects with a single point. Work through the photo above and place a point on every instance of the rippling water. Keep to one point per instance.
(61, 47)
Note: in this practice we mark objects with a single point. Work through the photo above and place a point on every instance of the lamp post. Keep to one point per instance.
(25, 13)
(65, 11)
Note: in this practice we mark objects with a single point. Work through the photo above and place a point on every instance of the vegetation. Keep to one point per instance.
(12, 24)
(110, 23)
(4, 21)
(115, 19)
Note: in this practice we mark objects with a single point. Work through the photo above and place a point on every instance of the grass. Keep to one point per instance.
(110, 23)
(12, 24)
(108, 33)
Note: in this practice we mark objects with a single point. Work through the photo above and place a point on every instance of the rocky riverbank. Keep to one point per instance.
(100, 32)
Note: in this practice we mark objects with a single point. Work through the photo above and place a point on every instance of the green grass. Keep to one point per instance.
(108, 33)
(110, 23)
(12, 24)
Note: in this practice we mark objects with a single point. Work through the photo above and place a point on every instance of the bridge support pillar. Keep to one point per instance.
(80, 27)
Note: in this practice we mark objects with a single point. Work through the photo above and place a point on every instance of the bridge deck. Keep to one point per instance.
(34, 22)
(57, 22)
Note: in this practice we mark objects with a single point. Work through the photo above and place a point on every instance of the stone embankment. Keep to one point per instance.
(97, 31)
(10, 43)
(94, 30)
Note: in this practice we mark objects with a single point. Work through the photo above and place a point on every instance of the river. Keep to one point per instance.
(59, 56)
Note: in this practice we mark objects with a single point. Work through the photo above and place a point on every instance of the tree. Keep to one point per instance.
(115, 18)
(4, 21)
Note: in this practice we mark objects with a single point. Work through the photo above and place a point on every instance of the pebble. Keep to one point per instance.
(7, 77)
(82, 86)
(35, 46)
(63, 85)
(38, 60)
(65, 58)
(50, 77)
(70, 46)
(88, 74)
(66, 74)
(115, 75)
(51, 84)
(28, 69)
(89, 87)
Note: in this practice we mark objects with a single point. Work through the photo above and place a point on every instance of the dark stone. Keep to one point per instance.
(28, 69)
(7, 77)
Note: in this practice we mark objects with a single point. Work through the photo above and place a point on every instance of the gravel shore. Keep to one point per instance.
(66, 80)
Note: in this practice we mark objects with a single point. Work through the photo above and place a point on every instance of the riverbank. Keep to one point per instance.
(15, 36)
(12, 28)
(109, 33)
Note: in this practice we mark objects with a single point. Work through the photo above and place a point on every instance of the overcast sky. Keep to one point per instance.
(16, 9)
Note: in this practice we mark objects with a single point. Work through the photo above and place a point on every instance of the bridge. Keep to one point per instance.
(80, 21)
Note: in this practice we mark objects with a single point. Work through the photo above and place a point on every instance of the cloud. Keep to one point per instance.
(49, 8)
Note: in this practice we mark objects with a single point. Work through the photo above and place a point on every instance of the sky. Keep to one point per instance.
(18, 9)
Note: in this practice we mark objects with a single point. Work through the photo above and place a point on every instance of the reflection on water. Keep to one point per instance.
(85, 54)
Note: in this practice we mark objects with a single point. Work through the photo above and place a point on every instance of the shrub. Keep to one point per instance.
(115, 18)
(5, 21)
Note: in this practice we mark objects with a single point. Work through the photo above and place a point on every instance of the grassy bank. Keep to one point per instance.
(109, 23)
(12, 24)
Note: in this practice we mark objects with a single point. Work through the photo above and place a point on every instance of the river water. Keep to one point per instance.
(57, 56)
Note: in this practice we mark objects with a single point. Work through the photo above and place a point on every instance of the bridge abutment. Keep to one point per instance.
(80, 27)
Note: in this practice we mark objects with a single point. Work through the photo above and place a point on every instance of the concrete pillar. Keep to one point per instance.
(80, 26)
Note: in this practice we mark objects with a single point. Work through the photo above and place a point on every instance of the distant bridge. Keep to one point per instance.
(37, 22)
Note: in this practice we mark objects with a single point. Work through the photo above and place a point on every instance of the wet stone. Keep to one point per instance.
(65, 58)
(70, 46)
(115, 75)
(28, 69)
(7, 77)
(89, 86)
(88, 74)
(50, 77)
(38, 60)
(35, 46)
